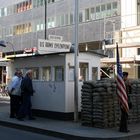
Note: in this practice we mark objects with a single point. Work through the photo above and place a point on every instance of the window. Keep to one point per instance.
(23, 28)
(109, 6)
(115, 9)
(59, 73)
(71, 18)
(81, 17)
(34, 3)
(51, 1)
(138, 10)
(57, 20)
(5, 11)
(0, 12)
(46, 74)
(115, 5)
(108, 14)
(9, 31)
(92, 13)
(94, 73)
(62, 20)
(51, 22)
(83, 71)
(35, 73)
(103, 11)
(66, 19)
(71, 73)
(87, 17)
(98, 14)
(9, 10)
(0, 32)
(23, 6)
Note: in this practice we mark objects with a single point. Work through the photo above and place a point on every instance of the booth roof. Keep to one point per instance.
(96, 52)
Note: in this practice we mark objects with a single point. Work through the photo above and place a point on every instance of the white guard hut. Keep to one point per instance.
(53, 80)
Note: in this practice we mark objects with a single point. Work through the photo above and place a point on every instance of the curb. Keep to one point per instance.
(60, 134)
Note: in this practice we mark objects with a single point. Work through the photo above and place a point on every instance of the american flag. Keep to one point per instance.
(121, 89)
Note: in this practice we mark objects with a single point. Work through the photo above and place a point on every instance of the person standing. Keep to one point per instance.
(26, 92)
(124, 114)
(15, 93)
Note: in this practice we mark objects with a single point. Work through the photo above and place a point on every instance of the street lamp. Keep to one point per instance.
(46, 16)
(76, 74)
(5, 44)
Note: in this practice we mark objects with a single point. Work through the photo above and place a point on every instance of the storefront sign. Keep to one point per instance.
(49, 46)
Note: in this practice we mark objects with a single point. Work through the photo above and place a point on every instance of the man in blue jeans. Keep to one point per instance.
(26, 93)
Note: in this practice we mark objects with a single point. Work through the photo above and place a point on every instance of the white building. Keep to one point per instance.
(127, 37)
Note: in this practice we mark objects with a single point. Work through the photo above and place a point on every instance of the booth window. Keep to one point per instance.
(46, 74)
(35, 75)
(83, 72)
(94, 73)
(59, 73)
(71, 73)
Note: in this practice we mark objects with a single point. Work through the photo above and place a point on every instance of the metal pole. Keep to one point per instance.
(114, 39)
(76, 79)
(45, 30)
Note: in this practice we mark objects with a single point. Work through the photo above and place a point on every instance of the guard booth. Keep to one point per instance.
(53, 80)
(53, 76)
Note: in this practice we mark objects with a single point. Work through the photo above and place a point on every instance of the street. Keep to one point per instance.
(15, 134)
(7, 133)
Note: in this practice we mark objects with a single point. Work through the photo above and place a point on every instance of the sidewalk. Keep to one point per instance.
(66, 129)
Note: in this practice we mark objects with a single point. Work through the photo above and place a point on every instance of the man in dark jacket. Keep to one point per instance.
(26, 93)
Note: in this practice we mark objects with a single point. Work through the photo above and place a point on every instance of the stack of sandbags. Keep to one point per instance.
(104, 104)
(100, 105)
(87, 104)
(134, 113)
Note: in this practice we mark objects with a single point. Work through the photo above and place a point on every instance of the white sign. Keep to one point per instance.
(55, 37)
(49, 46)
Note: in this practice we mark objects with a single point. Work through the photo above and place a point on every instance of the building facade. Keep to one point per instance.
(22, 23)
(127, 38)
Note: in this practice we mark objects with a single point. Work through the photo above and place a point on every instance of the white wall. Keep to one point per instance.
(49, 96)
(93, 61)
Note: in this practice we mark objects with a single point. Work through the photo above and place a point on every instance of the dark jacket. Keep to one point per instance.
(26, 86)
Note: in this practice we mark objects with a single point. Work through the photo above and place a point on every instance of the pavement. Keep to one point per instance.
(69, 130)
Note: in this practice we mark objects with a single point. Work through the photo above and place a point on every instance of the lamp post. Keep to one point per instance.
(5, 44)
(46, 12)
(76, 75)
